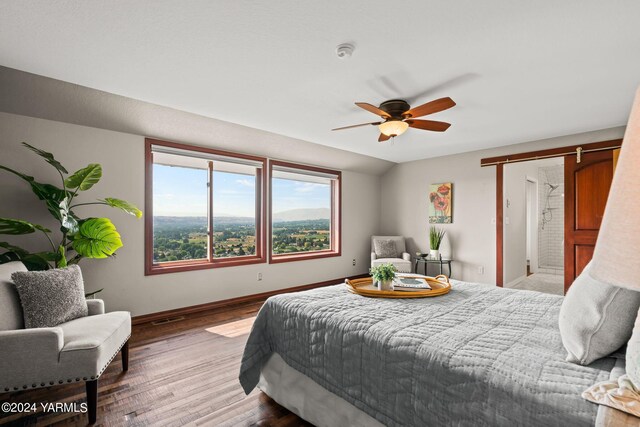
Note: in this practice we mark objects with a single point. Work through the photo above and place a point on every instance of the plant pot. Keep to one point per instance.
(434, 253)
(386, 285)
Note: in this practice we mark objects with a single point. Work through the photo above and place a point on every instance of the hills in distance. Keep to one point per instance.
(302, 214)
(284, 216)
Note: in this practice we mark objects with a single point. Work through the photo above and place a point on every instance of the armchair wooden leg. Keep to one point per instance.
(125, 356)
(92, 400)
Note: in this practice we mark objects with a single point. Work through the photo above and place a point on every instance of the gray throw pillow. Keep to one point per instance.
(385, 249)
(596, 319)
(51, 297)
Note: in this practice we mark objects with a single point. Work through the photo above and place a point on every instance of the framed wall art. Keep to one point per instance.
(440, 203)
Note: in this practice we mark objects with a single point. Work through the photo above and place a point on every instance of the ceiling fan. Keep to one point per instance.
(399, 116)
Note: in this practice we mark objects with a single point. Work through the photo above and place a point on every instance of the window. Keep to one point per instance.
(305, 212)
(204, 208)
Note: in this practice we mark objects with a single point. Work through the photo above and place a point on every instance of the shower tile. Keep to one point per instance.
(551, 237)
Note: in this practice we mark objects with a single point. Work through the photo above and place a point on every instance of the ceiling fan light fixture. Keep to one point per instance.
(393, 127)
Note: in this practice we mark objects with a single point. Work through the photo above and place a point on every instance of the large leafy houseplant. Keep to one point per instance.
(78, 237)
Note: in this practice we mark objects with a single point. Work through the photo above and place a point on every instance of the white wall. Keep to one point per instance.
(405, 188)
(123, 280)
(532, 216)
(515, 219)
(515, 216)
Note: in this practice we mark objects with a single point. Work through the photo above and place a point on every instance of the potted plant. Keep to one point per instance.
(435, 239)
(384, 274)
(78, 237)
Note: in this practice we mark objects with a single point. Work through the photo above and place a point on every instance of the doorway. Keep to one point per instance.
(588, 172)
(534, 225)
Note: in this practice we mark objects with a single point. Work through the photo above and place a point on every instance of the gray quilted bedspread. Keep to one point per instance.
(478, 356)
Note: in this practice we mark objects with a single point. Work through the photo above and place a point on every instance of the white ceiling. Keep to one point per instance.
(518, 70)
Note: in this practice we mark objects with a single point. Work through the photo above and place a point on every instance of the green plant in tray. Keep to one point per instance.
(383, 273)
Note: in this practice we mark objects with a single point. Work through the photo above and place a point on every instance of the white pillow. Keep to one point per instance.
(596, 319)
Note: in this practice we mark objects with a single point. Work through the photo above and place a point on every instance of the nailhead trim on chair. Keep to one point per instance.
(113, 357)
(69, 380)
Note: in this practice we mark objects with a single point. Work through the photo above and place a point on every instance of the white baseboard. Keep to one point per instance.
(515, 282)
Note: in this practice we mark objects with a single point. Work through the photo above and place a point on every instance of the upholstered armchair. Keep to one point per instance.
(399, 258)
(74, 351)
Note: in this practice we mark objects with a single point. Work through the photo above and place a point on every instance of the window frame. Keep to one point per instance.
(151, 268)
(336, 216)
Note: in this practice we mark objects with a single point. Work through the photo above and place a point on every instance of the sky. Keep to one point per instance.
(181, 191)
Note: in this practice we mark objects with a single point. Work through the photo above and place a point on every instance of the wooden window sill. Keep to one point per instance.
(178, 266)
(303, 256)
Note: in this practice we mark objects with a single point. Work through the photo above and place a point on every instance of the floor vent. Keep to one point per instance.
(168, 320)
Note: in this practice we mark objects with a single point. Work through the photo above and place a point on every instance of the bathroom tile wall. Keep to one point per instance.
(551, 219)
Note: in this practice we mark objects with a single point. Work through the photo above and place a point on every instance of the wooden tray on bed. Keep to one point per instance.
(439, 286)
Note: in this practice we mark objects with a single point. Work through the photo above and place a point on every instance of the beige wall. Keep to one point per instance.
(37, 96)
(471, 237)
(123, 280)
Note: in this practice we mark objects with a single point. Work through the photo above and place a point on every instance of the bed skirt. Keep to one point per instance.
(307, 399)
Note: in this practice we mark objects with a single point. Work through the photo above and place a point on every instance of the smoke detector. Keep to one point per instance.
(344, 50)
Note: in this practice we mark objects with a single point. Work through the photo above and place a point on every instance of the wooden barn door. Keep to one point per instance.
(586, 190)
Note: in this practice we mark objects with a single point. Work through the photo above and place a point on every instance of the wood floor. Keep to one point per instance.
(180, 373)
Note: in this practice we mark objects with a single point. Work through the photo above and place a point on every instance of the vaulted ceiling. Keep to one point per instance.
(518, 71)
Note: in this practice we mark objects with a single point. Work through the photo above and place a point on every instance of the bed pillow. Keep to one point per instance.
(385, 249)
(596, 319)
(51, 297)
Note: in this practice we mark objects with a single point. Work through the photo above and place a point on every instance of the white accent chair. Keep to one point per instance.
(403, 264)
(78, 350)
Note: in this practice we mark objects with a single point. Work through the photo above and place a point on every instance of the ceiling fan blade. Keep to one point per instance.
(429, 125)
(430, 107)
(373, 109)
(355, 126)
(383, 137)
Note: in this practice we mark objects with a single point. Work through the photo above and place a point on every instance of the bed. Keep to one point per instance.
(478, 356)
